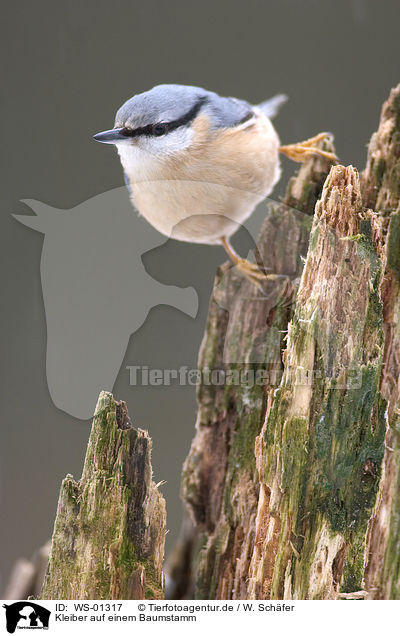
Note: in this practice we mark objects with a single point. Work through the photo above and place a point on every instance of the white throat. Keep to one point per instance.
(143, 157)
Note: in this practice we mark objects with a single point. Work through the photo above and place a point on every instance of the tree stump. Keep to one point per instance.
(109, 532)
(293, 482)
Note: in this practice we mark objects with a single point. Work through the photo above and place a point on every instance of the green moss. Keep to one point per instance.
(294, 451)
(249, 424)
(344, 441)
(330, 470)
(311, 190)
(379, 171)
(70, 488)
(329, 460)
(92, 532)
(390, 576)
(393, 179)
(393, 244)
(353, 571)
(307, 196)
(353, 237)
(314, 237)
(275, 421)
(396, 108)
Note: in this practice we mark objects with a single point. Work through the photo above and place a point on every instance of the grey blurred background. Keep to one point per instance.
(67, 67)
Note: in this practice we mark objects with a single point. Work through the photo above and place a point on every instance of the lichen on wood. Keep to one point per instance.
(109, 532)
(323, 433)
(293, 483)
(245, 333)
(381, 187)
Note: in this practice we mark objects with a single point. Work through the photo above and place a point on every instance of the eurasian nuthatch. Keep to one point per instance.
(197, 164)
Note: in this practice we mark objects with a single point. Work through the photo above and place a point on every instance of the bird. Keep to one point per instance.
(197, 164)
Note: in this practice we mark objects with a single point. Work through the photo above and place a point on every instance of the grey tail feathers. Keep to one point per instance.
(271, 106)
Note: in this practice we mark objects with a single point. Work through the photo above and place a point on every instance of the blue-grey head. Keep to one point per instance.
(161, 119)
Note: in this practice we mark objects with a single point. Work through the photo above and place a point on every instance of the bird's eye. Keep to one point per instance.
(159, 129)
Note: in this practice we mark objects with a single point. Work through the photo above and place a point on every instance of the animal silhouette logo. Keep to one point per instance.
(96, 292)
(26, 615)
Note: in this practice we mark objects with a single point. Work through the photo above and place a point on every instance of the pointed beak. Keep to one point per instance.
(110, 136)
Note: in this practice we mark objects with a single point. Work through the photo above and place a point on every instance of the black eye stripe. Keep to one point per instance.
(152, 129)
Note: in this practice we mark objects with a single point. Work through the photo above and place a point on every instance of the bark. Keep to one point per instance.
(293, 482)
(109, 532)
(381, 190)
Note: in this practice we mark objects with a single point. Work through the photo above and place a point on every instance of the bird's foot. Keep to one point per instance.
(305, 149)
(255, 274)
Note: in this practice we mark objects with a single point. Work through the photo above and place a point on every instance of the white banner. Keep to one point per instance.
(194, 617)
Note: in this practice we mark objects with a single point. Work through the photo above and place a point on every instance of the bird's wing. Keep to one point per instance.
(227, 112)
(271, 106)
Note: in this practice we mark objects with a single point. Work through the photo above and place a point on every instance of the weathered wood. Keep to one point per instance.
(246, 331)
(321, 446)
(109, 533)
(381, 189)
(293, 483)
